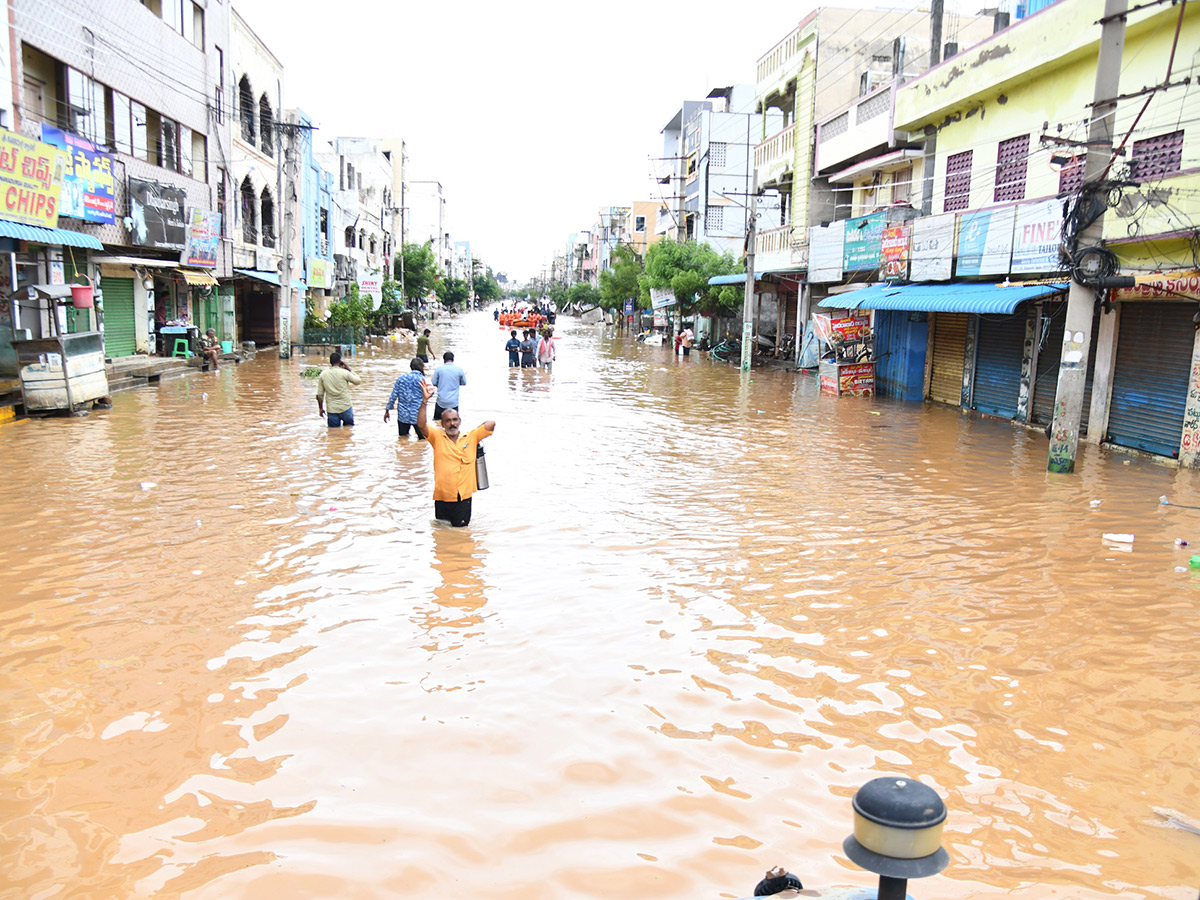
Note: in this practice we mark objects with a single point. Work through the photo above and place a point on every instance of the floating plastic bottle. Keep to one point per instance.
(1164, 501)
(1117, 538)
(1180, 542)
(1194, 562)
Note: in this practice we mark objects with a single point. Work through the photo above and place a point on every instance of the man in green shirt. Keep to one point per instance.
(333, 392)
(423, 348)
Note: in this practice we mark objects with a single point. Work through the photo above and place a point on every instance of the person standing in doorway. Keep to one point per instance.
(424, 348)
(513, 346)
(453, 462)
(528, 349)
(447, 378)
(333, 392)
(545, 350)
(407, 396)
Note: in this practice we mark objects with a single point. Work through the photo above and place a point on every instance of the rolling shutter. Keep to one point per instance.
(119, 334)
(889, 352)
(1150, 376)
(949, 348)
(1045, 386)
(997, 384)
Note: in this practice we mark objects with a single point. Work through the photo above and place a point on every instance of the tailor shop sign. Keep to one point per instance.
(31, 180)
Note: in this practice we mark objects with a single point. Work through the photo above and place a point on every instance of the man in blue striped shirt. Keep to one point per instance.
(407, 398)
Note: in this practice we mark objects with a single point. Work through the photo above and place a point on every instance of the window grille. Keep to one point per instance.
(246, 109)
(835, 127)
(1157, 157)
(716, 154)
(714, 220)
(1070, 176)
(268, 219)
(875, 105)
(958, 181)
(1012, 161)
(901, 180)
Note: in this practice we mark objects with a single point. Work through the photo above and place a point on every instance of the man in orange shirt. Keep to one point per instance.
(453, 461)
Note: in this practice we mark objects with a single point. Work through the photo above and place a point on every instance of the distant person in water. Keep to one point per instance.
(513, 346)
(407, 396)
(423, 347)
(333, 392)
(528, 349)
(545, 350)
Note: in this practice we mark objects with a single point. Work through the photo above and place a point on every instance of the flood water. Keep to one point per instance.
(694, 612)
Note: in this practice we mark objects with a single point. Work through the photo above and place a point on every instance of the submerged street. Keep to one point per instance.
(694, 612)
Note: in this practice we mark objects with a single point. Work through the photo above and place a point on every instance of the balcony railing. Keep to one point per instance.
(771, 62)
(773, 240)
(778, 149)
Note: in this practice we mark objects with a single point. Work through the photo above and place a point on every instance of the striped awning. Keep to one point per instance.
(59, 237)
(964, 297)
(196, 278)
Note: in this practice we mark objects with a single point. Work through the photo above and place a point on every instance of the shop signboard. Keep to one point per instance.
(1163, 286)
(320, 274)
(857, 379)
(860, 248)
(372, 286)
(88, 190)
(31, 178)
(661, 298)
(158, 215)
(203, 236)
(932, 248)
(629, 307)
(842, 328)
(985, 241)
(825, 245)
(1037, 236)
(893, 253)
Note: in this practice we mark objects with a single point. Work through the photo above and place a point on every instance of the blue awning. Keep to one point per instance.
(60, 237)
(269, 278)
(735, 278)
(958, 298)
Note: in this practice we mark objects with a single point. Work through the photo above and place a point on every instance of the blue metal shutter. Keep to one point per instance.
(1045, 387)
(1150, 377)
(119, 331)
(889, 355)
(998, 364)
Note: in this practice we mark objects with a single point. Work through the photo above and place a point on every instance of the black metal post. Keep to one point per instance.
(892, 888)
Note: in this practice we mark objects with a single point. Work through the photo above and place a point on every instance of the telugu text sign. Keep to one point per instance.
(860, 243)
(88, 190)
(893, 253)
(31, 179)
(203, 236)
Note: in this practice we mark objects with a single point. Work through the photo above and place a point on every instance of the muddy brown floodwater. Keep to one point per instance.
(692, 615)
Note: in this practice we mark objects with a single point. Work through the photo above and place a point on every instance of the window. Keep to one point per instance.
(185, 151)
(199, 156)
(121, 138)
(1070, 176)
(221, 203)
(268, 218)
(266, 125)
(362, 238)
(372, 245)
(716, 154)
(1157, 157)
(246, 109)
(1012, 161)
(86, 107)
(249, 212)
(639, 224)
(141, 139)
(714, 220)
(219, 96)
(197, 36)
(901, 180)
(324, 225)
(168, 145)
(350, 238)
(958, 181)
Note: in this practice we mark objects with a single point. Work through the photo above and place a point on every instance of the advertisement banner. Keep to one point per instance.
(88, 190)
(320, 273)
(158, 216)
(1037, 236)
(372, 286)
(825, 252)
(857, 379)
(203, 236)
(985, 241)
(1163, 286)
(932, 248)
(661, 298)
(861, 242)
(31, 177)
(841, 329)
(893, 253)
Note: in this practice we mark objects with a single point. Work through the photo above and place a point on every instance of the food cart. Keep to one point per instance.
(62, 371)
(848, 365)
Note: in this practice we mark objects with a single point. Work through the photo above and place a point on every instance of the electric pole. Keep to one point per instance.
(748, 311)
(1081, 300)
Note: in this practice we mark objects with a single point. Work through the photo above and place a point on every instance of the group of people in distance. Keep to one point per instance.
(532, 350)
(454, 452)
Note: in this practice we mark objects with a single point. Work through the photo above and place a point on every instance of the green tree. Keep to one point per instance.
(583, 295)
(453, 292)
(623, 281)
(685, 270)
(487, 288)
(417, 268)
(352, 310)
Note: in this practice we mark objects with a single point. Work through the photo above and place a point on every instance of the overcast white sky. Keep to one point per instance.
(533, 115)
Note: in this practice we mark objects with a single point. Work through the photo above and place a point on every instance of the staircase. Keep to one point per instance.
(125, 372)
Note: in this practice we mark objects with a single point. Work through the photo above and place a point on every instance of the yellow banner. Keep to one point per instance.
(1163, 286)
(31, 178)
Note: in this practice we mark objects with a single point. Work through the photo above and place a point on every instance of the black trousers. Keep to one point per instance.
(456, 512)
(403, 427)
(438, 410)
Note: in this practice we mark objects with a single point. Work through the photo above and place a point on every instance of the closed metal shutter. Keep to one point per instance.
(1045, 387)
(997, 384)
(890, 333)
(1150, 376)
(949, 348)
(119, 335)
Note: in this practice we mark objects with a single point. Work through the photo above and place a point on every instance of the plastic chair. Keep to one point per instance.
(181, 348)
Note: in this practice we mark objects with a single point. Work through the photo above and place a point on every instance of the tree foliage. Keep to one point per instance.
(583, 295)
(623, 281)
(353, 309)
(418, 269)
(685, 270)
(487, 288)
(453, 292)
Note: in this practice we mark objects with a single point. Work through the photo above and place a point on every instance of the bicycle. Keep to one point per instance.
(727, 351)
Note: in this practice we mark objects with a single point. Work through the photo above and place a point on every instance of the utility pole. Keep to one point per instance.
(930, 147)
(283, 214)
(748, 303)
(1081, 300)
(292, 321)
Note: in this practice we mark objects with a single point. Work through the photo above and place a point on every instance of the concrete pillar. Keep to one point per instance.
(1028, 363)
(1105, 352)
(1189, 444)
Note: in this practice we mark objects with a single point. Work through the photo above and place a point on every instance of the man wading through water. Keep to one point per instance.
(453, 461)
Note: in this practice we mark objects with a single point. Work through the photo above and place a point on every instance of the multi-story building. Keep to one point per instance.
(256, 174)
(313, 218)
(609, 232)
(128, 102)
(641, 225)
(362, 209)
(427, 219)
(398, 151)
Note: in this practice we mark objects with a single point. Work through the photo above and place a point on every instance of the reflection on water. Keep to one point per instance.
(695, 611)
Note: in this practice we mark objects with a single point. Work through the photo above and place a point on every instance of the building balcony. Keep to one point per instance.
(775, 156)
(781, 62)
(775, 249)
(864, 126)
